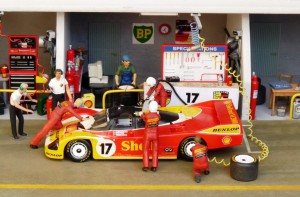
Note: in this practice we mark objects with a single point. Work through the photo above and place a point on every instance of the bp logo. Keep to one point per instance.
(143, 33)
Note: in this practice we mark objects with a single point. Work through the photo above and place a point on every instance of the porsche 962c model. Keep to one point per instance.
(117, 133)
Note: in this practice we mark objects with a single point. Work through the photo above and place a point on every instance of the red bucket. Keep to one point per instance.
(4, 71)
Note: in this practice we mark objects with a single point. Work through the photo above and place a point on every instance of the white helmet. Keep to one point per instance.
(153, 106)
(151, 81)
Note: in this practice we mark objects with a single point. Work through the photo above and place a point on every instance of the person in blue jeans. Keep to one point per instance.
(125, 76)
(126, 73)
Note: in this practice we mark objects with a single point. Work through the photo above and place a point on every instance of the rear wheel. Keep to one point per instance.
(244, 167)
(78, 150)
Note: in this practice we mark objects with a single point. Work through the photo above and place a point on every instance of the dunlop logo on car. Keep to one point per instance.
(223, 130)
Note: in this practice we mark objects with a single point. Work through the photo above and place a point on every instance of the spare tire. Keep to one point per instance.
(244, 167)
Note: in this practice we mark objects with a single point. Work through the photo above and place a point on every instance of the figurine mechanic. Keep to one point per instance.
(200, 159)
(151, 120)
(160, 94)
(55, 120)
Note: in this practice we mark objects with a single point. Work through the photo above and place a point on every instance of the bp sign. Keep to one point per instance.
(143, 33)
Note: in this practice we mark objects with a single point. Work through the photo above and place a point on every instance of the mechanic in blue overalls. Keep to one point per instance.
(125, 78)
(126, 73)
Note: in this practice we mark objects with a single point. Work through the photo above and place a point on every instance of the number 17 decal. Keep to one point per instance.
(192, 97)
(106, 148)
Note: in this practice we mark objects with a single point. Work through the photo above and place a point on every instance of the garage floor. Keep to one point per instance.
(27, 172)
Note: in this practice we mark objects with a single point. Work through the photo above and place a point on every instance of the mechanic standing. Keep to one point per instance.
(200, 159)
(59, 86)
(151, 136)
(15, 110)
(55, 120)
(126, 73)
(160, 94)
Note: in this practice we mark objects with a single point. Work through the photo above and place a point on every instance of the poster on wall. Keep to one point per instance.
(200, 65)
(143, 33)
(185, 29)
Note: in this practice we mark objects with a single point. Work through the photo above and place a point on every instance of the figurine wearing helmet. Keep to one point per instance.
(126, 73)
(151, 136)
(200, 159)
(159, 94)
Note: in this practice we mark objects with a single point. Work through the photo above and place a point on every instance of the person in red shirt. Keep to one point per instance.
(151, 120)
(55, 120)
(160, 94)
(200, 159)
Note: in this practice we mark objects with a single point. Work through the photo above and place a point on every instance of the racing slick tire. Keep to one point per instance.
(185, 148)
(78, 150)
(243, 167)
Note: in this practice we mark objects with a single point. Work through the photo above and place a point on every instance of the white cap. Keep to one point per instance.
(151, 81)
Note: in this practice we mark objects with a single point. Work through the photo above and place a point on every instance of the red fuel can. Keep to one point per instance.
(4, 71)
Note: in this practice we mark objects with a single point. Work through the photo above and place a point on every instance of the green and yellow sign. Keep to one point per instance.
(143, 33)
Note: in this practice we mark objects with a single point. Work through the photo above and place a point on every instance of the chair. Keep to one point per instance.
(286, 77)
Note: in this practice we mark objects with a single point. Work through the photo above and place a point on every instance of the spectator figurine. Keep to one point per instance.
(59, 86)
(159, 93)
(15, 110)
(126, 73)
(151, 120)
(55, 120)
(200, 159)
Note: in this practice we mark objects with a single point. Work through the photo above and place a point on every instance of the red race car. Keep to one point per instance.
(117, 133)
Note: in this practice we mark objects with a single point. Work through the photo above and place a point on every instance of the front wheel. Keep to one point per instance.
(78, 150)
(244, 167)
(185, 148)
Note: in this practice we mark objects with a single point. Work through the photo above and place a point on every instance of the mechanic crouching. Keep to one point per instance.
(151, 120)
(200, 159)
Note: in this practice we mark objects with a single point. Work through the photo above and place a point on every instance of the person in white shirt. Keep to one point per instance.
(15, 110)
(59, 86)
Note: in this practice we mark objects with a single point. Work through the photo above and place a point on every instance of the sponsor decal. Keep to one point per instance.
(120, 133)
(53, 154)
(223, 130)
(168, 149)
(220, 94)
(105, 147)
(226, 140)
(231, 112)
(131, 146)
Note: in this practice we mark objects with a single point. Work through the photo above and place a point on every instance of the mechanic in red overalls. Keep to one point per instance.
(200, 159)
(151, 136)
(55, 120)
(160, 94)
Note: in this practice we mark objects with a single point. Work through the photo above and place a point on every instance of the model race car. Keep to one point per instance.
(117, 133)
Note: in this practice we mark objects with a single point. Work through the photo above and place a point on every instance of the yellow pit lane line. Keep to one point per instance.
(150, 187)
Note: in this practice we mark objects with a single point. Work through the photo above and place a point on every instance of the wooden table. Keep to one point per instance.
(283, 92)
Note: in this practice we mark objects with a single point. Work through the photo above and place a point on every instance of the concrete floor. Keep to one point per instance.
(27, 172)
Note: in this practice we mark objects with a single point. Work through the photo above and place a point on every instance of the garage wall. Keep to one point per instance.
(147, 58)
(26, 23)
(289, 46)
